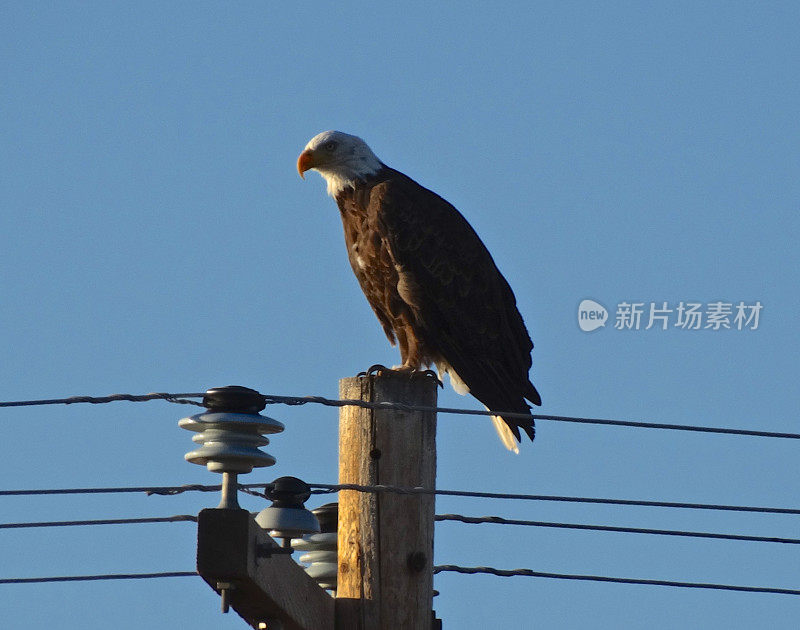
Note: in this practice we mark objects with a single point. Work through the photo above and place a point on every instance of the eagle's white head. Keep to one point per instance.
(340, 158)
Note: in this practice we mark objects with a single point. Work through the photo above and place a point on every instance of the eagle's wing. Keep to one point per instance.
(462, 304)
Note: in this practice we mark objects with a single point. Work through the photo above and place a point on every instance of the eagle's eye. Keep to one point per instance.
(330, 146)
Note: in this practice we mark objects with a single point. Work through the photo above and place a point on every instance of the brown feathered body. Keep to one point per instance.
(437, 291)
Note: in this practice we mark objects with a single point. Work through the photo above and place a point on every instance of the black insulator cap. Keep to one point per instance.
(288, 492)
(233, 399)
(328, 517)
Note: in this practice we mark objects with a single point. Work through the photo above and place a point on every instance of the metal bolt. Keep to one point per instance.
(225, 589)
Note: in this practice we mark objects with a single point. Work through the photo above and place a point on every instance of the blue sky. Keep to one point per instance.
(156, 237)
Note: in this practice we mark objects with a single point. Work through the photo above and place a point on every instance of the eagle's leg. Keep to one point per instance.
(402, 341)
(406, 352)
(413, 356)
(411, 353)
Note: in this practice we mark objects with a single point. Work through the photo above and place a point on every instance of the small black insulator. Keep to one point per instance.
(288, 492)
(233, 399)
(287, 517)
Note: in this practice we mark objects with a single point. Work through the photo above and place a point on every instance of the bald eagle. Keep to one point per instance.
(430, 280)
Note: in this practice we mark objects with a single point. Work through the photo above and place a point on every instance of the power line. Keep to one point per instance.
(436, 570)
(318, 488)
(149, 490)
(105, 521)
(321, 488)
(162, 490)
(471, 520)
(618, 580)
(91, 578)
(98, 400)
(498, 520)
(302, 400)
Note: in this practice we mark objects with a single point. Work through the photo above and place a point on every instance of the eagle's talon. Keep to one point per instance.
(404, 370)
(374, 370)
(428, 374)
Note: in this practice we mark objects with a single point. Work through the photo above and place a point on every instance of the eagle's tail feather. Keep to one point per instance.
(505, 433)
(532, 395)
(529, 428)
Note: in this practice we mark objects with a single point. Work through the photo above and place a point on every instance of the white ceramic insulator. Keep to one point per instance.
(230, 441)
(322, 555)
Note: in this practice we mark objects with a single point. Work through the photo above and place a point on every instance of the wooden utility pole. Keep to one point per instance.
(385, 540)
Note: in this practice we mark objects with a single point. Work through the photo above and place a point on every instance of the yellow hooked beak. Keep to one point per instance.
(305, 162)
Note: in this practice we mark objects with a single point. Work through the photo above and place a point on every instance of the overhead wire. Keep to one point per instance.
(498, 520)
(302, 400)
(149, 490)
(618, 580)
(436, 570)
(322, 488)
(92, 578)
(104, 521)
(471, 520)
(184, 398)
(99, 400)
